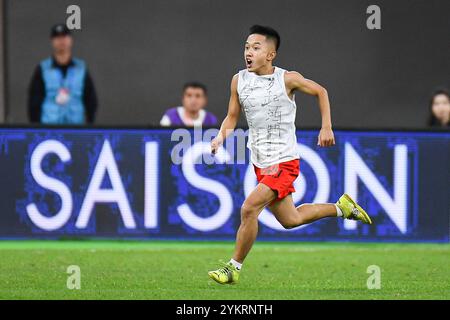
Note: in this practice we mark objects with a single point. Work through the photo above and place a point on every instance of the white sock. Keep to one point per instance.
(236, 264)
(338, 211)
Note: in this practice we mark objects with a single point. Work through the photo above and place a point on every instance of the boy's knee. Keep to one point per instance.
(248, 211)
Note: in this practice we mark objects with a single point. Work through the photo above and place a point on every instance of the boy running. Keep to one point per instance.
(266, 94)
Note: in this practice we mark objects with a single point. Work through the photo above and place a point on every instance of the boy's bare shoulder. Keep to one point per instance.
(234, 82)
(292, 77)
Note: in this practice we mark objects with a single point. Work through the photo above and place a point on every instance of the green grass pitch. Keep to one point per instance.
(178, 270)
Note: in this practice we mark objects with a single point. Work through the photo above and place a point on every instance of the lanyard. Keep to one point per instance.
(65, 80)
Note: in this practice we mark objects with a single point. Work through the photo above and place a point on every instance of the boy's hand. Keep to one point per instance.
(216, 143)
(326, 138)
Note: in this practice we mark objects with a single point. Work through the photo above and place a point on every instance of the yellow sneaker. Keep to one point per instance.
(228, 274)
(351, 210)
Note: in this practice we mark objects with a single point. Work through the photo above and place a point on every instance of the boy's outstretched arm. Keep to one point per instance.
(230, 121)
(295, 81)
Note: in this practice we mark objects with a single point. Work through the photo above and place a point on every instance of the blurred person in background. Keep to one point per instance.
(61, 89)
(440, 109)
(191, 113)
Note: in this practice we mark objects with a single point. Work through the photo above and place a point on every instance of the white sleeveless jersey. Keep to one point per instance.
(270, 115)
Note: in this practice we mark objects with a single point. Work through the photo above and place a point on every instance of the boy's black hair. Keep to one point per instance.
(269, 32)
(195, 84)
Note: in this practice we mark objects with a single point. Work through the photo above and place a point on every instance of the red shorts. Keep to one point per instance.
(279, 177)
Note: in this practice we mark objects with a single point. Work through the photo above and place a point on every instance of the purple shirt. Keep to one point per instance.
(173, 117)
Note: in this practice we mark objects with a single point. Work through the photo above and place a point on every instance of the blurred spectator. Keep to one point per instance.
(191, 113)
(61, 90)
(440, 109)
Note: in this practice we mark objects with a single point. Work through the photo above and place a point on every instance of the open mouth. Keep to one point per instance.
(248, 62)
